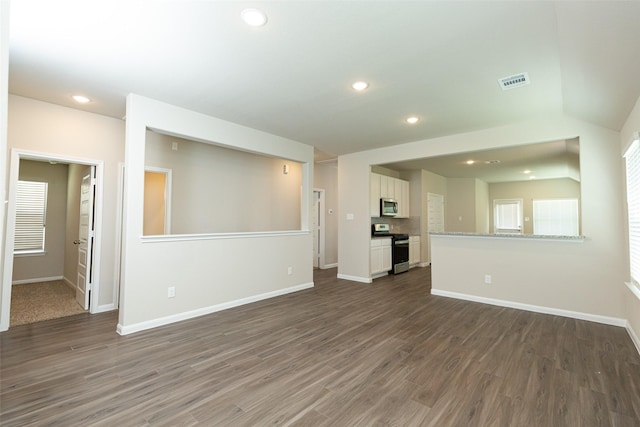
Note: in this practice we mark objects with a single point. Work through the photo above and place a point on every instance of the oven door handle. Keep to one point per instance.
(401, 242)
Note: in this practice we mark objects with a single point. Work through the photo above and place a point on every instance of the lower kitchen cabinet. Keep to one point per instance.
(414, 250)
(380, 256)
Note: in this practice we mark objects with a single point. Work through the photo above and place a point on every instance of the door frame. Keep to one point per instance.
(321, 227)
(16, 156)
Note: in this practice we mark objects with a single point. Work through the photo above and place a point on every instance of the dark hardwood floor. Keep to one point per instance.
(340, 354)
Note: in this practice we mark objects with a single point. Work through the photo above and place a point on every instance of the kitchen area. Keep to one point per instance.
(395, 233)
(413, 201)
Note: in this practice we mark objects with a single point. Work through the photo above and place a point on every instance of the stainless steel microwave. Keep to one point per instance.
(388, 207)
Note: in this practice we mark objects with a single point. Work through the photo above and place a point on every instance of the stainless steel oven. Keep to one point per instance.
(400, 253)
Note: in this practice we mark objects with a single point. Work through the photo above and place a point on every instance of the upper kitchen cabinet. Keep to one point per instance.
(382, 186)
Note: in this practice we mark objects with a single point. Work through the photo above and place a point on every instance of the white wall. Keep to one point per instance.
(219, 190)
(5, 292)
(482, 206)
(590, 280)
(213, 271)
(630, 301)
(40, 127)
(460, 205)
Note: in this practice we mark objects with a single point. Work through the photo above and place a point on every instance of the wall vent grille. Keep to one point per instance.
(514, 81)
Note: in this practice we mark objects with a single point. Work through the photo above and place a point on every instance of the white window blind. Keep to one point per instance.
(31, 208)
(632, 157)
(507, 216)
(557, 217)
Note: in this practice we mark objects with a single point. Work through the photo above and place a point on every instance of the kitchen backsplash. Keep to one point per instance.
(410, 226)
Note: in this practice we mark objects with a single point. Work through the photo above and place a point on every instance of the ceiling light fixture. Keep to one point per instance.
(81, 99)
(532, 177)
(526, 171)
(254, 17)
(360, 85)
(470, 162)
(412, 120)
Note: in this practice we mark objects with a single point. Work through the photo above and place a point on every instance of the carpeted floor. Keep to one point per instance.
(33, 302)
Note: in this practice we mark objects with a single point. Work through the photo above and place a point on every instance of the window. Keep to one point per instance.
(632, 157)
(507, 216)
(558, 217)
(31, 209)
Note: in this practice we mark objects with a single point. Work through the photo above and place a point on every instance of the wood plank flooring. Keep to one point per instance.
(340, 354)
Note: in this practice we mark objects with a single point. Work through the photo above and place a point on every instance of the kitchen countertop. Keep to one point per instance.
(511, 236)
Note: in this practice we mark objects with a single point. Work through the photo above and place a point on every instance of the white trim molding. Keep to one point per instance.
(137, 327)
(355, 278)
(37, 280)
(614, 321)
(634, 337)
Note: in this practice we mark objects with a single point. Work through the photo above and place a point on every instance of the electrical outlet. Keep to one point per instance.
(487, 279)
(171, 292)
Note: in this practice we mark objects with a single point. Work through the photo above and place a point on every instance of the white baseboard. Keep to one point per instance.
(355, 278)
(327, 266)
(614, 321)
(634, 337)
(37, 280)
(137, 327)
(69, 283)
(424, 264)
(104, 308)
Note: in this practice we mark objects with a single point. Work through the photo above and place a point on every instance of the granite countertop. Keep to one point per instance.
(510, 236)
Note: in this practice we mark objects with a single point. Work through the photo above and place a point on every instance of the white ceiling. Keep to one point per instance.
(547, 160)
(439, 60)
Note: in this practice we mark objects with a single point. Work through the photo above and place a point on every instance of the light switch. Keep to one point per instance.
(350, 217)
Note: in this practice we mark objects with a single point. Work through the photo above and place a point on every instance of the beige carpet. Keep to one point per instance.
(33, 302)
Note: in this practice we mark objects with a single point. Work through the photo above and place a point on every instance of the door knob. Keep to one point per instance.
(76, 242)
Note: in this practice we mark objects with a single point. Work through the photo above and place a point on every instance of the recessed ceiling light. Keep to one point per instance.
(254, 17)
(532, 177)
(470, 162)
(360, 85)
(412, 120)
(81, 99)
(526, 171)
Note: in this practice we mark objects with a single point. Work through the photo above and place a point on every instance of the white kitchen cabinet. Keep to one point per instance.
(414, 250)
(380, 256)
(387, 189)
(382, 186)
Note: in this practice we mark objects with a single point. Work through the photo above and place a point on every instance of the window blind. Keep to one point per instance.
(632, 157)
(508, 216)
(556, 217)
(31, 208)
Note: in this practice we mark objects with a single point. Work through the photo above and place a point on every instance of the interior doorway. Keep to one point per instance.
(157, 201)
(318, 228)
(60, 248)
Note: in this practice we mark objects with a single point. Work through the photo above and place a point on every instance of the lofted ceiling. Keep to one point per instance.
(437, 60)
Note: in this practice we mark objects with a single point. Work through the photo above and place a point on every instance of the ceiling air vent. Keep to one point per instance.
(514, 81)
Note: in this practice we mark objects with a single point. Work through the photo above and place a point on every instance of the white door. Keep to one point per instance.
(435, 217)
(85, 237)
(316, 228)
